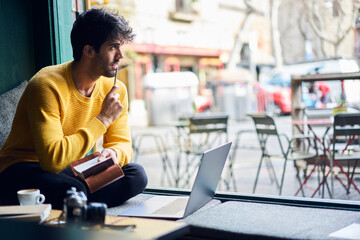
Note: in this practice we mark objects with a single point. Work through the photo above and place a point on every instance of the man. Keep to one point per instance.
(64, 110)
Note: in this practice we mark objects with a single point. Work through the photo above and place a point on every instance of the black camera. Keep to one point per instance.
(78, 212)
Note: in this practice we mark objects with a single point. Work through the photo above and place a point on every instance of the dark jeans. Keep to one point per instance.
(54, 186)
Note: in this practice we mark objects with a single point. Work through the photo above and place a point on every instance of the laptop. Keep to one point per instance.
(176, 207)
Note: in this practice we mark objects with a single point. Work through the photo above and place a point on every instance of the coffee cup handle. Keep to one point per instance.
(40, 199)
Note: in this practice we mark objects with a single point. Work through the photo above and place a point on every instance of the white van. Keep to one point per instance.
(281, 77)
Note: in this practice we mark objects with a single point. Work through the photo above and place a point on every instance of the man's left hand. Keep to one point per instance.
(106, 153)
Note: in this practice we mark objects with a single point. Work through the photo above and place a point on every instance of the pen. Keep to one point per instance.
(120, 227)
(115, 75)
(116, 71)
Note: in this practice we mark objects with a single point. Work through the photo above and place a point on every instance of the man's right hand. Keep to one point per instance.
(111, 107)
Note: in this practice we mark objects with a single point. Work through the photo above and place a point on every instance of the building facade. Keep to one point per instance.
(190, 35)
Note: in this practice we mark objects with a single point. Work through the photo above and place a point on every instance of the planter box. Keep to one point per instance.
(340, 109)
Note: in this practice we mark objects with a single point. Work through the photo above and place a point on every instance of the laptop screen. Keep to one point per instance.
(207, 178)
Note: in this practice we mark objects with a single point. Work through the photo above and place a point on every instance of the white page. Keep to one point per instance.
(82, 167)
(350, 232)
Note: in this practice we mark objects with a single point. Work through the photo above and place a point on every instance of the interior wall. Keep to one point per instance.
(17, 61)
(33, 34)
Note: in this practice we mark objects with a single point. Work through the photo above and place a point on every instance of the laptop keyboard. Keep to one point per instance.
(173, 207)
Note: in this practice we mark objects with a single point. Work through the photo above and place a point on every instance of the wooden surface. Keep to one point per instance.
(144, 228)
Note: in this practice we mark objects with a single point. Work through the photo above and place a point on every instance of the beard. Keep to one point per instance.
(105, 67)
(108, 72)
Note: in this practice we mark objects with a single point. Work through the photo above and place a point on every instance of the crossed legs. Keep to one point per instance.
(54, 186)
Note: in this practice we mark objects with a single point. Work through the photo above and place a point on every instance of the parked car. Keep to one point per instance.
(273, 100)
(277, 83)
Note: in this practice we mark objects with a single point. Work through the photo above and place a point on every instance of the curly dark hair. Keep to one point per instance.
(95, 26)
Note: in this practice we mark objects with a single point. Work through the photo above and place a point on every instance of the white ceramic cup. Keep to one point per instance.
(30, 197)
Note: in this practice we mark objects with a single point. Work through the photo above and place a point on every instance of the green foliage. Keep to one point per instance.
(341, 102)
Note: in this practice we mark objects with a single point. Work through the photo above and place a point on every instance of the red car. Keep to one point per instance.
(272, 100)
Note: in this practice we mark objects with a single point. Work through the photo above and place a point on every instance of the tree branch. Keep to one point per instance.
(314, 27)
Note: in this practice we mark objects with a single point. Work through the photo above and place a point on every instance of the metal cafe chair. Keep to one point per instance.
(241, 136)
(157, 146)
(266, 129)
(343, 147)
(202, 132)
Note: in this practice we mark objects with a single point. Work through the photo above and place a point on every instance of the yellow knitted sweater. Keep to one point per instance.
(54, 124)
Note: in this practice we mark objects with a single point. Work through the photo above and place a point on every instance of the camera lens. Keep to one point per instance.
(95, 213)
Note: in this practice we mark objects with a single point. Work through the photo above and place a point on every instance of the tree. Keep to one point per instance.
(331, 21)
(275, 33)
(239, 41)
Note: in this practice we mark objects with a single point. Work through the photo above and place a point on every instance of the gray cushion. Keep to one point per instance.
(8, 105)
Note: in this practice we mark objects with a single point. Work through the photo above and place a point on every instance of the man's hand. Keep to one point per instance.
(106, 153)
(111, 107)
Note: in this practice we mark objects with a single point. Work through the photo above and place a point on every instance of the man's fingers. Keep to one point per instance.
(106, 153)
(103, 156)
(113, 89)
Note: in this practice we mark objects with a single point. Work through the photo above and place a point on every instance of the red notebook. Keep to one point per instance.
(96, 174)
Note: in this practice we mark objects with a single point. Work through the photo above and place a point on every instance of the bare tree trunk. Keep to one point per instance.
(238, 43)
(275, 33)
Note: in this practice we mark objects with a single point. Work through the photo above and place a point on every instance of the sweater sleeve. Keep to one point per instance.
(118, 135)
(56, 151)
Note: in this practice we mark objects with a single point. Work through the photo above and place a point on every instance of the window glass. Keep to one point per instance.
(238, 58)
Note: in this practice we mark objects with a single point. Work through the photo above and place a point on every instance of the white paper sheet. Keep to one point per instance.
(350, 232)
(82, 167)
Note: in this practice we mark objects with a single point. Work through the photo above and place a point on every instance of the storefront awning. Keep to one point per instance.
(176, 50)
